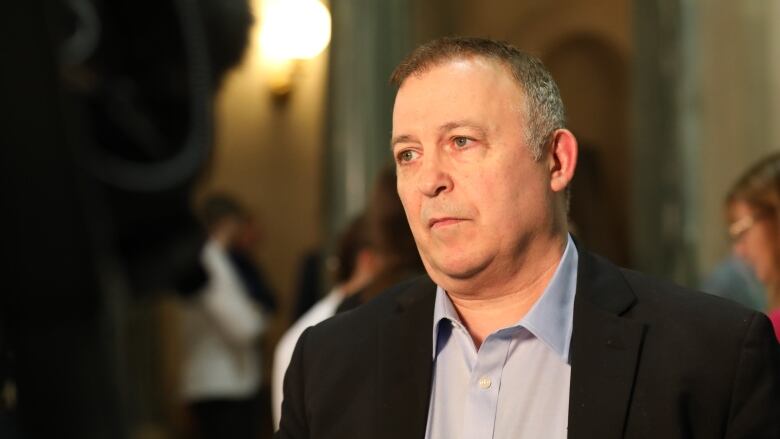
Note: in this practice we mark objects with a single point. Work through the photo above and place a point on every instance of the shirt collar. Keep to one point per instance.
(550, 319)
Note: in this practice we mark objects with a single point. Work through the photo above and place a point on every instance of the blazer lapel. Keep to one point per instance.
(604, 352)
(405, 364)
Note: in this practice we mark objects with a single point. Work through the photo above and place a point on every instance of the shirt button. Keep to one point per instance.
(485, 382)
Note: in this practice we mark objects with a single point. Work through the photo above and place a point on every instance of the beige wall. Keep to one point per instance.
(268, 154)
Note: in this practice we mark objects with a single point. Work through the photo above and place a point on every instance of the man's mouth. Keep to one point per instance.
(434, 223)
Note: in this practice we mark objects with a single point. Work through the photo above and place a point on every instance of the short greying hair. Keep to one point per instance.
(543, 100)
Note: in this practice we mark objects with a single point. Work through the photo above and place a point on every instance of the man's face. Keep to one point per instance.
(474, 197)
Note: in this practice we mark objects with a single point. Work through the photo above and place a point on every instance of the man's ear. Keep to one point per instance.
(562, 159)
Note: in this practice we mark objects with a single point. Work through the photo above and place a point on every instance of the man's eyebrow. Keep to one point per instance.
(403, 138)
(449, 126)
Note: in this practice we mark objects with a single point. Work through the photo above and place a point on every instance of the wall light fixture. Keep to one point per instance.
(291, 31)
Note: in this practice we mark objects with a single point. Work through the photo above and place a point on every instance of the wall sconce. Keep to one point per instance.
(291, 31)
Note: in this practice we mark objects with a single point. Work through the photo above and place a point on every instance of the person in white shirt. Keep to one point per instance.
(221, 326)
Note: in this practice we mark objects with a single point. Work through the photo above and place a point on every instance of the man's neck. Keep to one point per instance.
(497, 306)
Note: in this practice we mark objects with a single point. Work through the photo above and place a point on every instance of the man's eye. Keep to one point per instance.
(406, 156)
(460, 142)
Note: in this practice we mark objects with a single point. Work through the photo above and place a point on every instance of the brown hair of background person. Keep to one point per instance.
(753, 210)
(218, 207)
(759, 185)
(350, 244)
(390, 236)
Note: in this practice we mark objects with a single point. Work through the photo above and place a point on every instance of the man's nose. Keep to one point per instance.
(434, 178)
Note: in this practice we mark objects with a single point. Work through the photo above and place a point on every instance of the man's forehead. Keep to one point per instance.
(476, 77)
(459, 89)
(475, 62)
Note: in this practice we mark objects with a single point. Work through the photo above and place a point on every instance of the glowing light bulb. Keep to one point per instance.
(294, 29)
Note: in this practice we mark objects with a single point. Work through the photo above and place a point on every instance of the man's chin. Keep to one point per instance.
(455, 271)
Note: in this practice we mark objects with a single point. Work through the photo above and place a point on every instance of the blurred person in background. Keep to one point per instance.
(385, 253)
(753, 210)
(356, 264)
(243, 236)
(221, 329)
(389, 234)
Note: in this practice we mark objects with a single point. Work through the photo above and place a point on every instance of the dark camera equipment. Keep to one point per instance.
(106, 126)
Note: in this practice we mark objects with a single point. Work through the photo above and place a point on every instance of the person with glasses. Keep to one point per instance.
(752, 207)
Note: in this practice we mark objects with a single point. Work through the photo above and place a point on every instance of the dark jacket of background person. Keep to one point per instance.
(649, 359)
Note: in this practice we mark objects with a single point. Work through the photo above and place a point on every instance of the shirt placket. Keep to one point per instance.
(483, 388)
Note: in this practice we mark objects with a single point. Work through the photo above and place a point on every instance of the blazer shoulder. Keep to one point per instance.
(689, 311)
(663, 292)
(652, 300)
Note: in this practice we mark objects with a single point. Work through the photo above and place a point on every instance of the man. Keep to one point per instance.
(517, 332)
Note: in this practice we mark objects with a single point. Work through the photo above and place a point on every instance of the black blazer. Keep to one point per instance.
(649, 360)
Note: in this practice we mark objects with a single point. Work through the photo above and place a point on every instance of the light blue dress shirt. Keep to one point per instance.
(517, 384)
